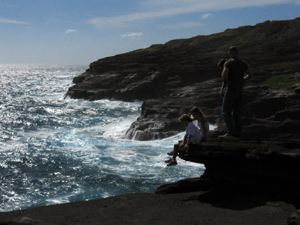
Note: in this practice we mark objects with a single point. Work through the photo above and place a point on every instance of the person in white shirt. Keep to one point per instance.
(202, 122)
(192, 135)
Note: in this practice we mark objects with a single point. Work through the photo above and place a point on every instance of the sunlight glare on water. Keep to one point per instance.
(55, 150)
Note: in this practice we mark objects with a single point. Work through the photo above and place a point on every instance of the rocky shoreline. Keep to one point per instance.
(254, 180)
(244, 183)
(146, 209)
(173, 77)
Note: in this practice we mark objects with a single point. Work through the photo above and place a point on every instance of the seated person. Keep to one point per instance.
(192, 135)
(202, 122)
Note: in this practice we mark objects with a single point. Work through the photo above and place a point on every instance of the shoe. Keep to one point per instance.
(168, 160)
(171, 152)
(172, 163)
(228, 136)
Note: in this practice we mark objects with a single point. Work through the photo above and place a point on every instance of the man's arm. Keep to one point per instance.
(249, 74)
(225, 74)
(223, 88)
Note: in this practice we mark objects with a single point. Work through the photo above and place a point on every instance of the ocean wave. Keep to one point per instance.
(56, 151)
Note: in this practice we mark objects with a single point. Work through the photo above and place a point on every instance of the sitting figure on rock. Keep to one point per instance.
(202, 122)
(192, 135)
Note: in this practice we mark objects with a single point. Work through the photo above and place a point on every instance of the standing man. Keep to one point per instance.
(234, 75)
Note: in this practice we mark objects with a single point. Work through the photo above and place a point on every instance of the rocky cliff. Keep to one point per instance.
(173, 77)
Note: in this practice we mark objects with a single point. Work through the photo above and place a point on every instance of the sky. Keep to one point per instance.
(79, 32)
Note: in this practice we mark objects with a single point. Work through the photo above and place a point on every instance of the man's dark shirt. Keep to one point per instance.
(237, 69)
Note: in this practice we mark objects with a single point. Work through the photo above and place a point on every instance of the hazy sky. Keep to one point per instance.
(82, 31)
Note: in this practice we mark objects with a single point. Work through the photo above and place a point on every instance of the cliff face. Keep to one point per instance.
(173, 77)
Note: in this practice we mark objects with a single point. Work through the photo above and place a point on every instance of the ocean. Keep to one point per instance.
(55, 150)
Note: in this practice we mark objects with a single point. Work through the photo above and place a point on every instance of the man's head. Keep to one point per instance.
(233, 51)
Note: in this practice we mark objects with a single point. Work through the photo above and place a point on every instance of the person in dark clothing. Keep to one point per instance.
(234, 74)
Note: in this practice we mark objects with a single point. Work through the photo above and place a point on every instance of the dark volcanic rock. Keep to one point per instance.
(183, 62)
(159, 117)
(148, 209)
(270, 167)
(173, 77)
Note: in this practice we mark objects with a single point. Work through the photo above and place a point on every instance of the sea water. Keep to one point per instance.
(55, 150)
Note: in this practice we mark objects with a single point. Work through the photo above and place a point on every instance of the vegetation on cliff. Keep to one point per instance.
(286, 82)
